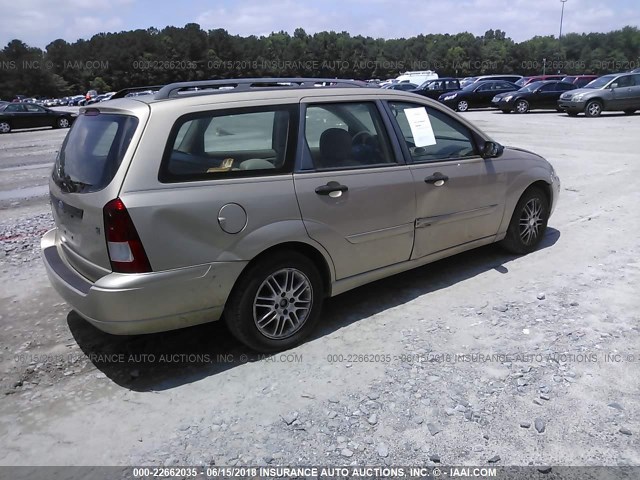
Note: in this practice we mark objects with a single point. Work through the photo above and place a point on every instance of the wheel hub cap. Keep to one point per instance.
(282, 303)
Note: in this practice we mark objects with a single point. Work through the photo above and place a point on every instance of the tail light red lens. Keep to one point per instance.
(126, 252)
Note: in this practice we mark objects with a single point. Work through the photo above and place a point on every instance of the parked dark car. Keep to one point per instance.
(28, 115)
(406, 86)
(536, 95)
(614, 92)
(524, 81)
(75, 100)
(436, 87)
(579, 80)
(465, 82)
(476, 95)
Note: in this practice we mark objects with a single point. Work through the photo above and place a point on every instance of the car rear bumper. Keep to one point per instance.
(128, 304)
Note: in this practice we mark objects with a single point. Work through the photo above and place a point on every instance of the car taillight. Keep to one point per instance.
(126, 252)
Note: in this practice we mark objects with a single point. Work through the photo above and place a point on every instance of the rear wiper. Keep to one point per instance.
(72, 186)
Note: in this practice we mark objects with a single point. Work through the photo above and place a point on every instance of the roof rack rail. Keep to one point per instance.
(125, 91)
(201, 87)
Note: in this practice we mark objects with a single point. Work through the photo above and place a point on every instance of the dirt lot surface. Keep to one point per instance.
(481, 357)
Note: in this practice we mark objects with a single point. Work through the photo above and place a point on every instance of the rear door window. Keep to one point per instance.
(347, 135)
(239, 142)
(93, 151)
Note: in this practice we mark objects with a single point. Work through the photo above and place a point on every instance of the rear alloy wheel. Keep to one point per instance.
(630, 111)
(5, 127)
(62, 122)
(462, 106)
(528, 223)
(276, 302)
(593, 109)
(522, 106)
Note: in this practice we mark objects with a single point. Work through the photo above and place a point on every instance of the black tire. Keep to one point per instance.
(62, 122)
(239, 311)
(5, 127)
(593, 108)
(630, 111)
(522, 106)
(572, 114)
(505, 111)
(517, 241)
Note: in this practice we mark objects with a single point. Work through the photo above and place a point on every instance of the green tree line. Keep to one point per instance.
(111, 61)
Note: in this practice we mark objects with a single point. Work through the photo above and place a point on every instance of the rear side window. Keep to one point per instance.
(228, 143)
(93, 151)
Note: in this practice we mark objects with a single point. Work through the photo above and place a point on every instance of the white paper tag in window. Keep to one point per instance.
(420, 125)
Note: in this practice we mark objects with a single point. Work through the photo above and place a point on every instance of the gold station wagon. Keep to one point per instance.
(253, 200)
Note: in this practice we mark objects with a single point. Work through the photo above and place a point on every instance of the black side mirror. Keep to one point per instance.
(491, 150)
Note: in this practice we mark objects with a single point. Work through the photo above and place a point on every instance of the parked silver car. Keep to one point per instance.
(615, 92)
(256, 202)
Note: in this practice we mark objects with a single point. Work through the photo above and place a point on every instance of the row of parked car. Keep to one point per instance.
(576, 94)
(71, 101)
(24, 112)
(573, 94)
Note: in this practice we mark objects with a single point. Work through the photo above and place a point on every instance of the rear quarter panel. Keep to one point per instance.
(178, 222)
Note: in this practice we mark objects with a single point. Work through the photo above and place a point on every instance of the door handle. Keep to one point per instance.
(436, 179)
(333, 189)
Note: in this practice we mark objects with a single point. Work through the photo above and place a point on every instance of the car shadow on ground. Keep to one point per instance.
(531, 112)
(32, 130)
(166, 360)
(549, 112)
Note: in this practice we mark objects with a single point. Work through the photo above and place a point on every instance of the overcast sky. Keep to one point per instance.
(38, 22)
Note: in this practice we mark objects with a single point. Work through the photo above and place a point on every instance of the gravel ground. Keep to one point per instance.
(480, 359)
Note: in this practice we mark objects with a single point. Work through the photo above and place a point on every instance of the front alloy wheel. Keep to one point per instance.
(62, 122)
(528, 222)
(593, 109)
(463, 106)
(522, 106)
(5, 127)
(531, 221)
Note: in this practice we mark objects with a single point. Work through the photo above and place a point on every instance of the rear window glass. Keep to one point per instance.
(92, 152)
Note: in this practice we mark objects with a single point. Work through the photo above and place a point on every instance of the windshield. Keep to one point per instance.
(92, 152)
(600, 82)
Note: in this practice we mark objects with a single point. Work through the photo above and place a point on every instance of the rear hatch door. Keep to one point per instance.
(87, 174)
